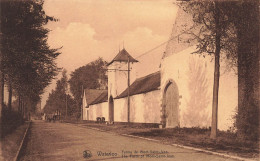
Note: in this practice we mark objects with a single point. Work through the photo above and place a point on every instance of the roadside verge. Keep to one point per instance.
(22, 143)
(226, 155)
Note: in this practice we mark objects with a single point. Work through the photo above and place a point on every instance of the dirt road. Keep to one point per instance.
(60, 141)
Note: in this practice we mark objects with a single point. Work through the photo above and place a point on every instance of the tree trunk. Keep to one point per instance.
(247, 24)
(1, 80)
(23, 109)
(214, 123)
(19, 104)
(1, 92)
(66, 104)
(10, 95)
(245, 17)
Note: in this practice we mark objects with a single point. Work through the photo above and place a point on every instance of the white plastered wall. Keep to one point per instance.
(96, 110)
(145, 108)
(177, 67)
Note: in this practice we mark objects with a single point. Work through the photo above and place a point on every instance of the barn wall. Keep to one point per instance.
(145, 108)
(97, 110)
(194, 76)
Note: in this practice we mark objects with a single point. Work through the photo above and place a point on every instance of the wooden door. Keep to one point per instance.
(171, 106)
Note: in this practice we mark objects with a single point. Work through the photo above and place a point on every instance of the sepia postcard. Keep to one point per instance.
(133, 80)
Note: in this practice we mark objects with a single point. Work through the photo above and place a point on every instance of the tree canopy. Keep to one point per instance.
(27, 61)
(90, 76)
(59, 99)
(231, 29)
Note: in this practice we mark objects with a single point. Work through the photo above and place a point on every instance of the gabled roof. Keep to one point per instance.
(93, 94)
(101, 98)
(123, 56)
(144, 84)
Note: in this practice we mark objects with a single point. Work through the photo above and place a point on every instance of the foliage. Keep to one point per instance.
(10, 121)
(212, 24)
(247, 24)
(90, 76)
(205, 29)
(27, 60)
(59, 98)
(239, 43)
(246, 122)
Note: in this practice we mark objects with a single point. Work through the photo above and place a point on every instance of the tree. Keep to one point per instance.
(1, 80)
(27, 61)
(245, 16)
(90, 76)
(214, 30)
(234, 27)
(57, 98)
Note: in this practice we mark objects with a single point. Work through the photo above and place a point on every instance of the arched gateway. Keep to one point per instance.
(170, 109)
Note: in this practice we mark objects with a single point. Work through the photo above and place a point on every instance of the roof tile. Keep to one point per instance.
(144, 84)
(123, 56)
(93, 94)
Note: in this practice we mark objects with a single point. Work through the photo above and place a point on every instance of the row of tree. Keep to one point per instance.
(90, 76)
(60, 100)
(230, 29)
(27, 63)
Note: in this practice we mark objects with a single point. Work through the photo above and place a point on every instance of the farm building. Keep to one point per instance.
(179, 94)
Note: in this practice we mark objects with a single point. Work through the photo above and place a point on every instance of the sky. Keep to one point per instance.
(88, 29)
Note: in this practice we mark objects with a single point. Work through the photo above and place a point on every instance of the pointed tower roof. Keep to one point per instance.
(123, 55)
